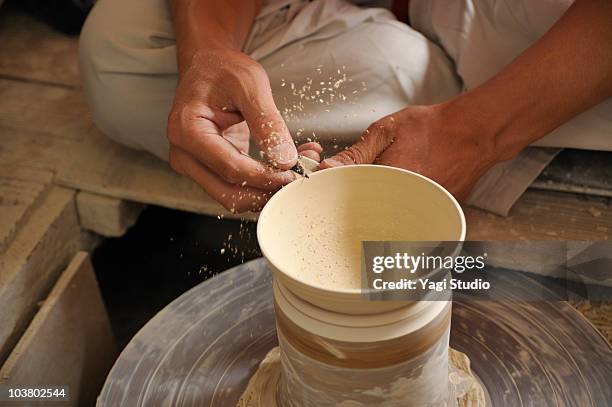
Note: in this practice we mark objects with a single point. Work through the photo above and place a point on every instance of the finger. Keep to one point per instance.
(221, 117)
(311, 145)
(312, 150)
(238, 135)
(311, 154)
(234, 198)
(202, 139)
(268, 129)
(371, 143)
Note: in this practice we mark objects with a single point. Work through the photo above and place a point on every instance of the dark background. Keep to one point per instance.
(165, 254)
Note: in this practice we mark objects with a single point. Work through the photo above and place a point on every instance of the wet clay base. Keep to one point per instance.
(261, 390)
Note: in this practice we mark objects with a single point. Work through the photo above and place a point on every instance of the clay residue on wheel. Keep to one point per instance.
(261, 390)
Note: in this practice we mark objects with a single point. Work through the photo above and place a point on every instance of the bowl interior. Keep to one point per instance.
(312, 229)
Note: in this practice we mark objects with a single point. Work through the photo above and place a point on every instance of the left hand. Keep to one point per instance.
(223, 100)
(427, 140)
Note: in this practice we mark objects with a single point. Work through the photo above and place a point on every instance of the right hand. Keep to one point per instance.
(444, 144)
(223, 99)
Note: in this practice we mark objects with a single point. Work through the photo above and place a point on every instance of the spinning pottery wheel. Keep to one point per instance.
(202, 349)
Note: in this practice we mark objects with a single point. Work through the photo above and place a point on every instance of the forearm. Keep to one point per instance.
(565, 72)
(209, 24)
(223, 100)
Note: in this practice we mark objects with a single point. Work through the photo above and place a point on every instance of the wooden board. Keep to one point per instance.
(46, 111)
(39, 124)
(101, 166)
(21, 190)
(33, 51)
(26, 149)
(48, 127)
(30, 265)
(106, 216)
(544, 215)
(119, 172)
(69, 342)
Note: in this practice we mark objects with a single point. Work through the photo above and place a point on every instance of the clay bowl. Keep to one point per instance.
(311, 231)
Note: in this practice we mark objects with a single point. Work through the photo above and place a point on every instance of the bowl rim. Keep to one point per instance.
(348, 291)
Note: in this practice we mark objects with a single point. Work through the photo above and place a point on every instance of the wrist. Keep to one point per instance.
(486, 124)
(471, 128)
(198, 49)
(205, 25)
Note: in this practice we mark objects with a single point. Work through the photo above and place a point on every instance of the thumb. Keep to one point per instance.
(268, 129)
(370, 145)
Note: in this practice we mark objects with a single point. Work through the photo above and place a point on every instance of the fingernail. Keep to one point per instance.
(330, 162)
(284, 153)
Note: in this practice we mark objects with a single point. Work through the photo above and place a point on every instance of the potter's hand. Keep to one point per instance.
(220, 97)
(223, 100)
(424, 140)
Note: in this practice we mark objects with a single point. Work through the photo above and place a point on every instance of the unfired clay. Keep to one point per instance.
(261, 390)
(337, 348)
(311, 231)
